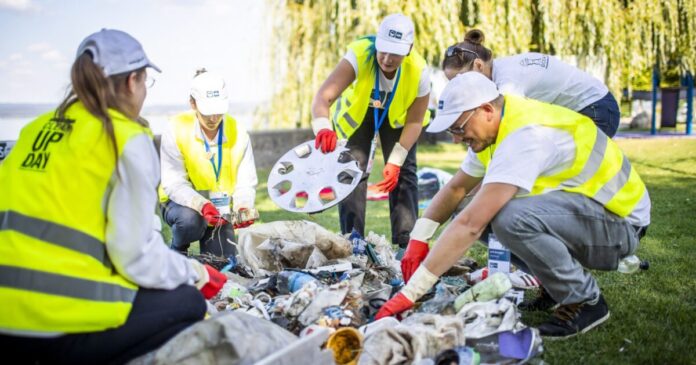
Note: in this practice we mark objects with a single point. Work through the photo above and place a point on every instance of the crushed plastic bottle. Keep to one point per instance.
(631, 264)
(492, 288)
(292, 281)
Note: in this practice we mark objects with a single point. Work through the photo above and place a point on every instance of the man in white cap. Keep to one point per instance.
(555, 190)
(208, 171)
(381, 86)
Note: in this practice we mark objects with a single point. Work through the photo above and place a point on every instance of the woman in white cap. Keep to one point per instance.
(381, 86)
(208, 171)
(85, 276)
(536, 76)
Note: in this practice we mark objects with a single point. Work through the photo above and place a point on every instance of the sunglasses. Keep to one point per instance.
(460, 129)
(457, 50)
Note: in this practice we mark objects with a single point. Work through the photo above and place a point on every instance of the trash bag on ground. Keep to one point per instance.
(416, 337)
(270, 247)
(430, 181)
(229, 338)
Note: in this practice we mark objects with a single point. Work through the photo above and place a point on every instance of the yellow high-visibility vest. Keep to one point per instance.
(55, 272)
(196, 159)
(600, 170)
(348, 112)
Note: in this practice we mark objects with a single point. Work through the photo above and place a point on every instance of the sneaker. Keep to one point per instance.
(572, 319)
(543, 302)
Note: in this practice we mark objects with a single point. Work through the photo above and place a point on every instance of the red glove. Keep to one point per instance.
(394, 306)
(215, 282)
(212, 215)
(243, 224)
(391, 178)
(414, 255)
(326, 139)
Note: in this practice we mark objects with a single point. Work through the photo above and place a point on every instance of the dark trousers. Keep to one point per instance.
(156, 317)
(403, 200)
(605, 113)
(189, 226)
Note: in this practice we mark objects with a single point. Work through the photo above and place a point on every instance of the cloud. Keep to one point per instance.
(46, 52)
(39, 47)
(15, 57)
(19, 5)
(52, 55)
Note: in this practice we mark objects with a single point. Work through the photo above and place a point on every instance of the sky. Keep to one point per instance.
(40, 38)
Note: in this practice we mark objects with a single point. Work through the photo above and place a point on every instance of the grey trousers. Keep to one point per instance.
(558, 235)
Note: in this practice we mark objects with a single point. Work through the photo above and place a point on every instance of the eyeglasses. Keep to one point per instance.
(457, 50)
(149, 81)
(460, 129)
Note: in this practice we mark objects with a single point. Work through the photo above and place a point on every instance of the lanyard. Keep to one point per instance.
(375, 94)
(216, 169)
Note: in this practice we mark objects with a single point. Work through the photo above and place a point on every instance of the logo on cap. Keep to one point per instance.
(395, 34)
(441, 104)
(212, 94)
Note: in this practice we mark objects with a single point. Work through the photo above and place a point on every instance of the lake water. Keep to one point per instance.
(14, 116)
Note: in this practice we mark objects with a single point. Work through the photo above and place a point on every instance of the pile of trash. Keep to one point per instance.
(299, 293)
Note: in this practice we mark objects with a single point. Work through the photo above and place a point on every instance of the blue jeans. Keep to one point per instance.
(605, 113)
(559, 234)
(190, 226)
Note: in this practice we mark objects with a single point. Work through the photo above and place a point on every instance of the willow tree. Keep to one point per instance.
(311, 36)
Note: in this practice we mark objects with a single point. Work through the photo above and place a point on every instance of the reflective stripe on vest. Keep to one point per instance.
(65, 286)
(196, 160)
(348, 112)
(600, 170)
(55, 272)
(55, 233)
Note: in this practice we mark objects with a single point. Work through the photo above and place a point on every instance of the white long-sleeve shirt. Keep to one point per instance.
(178, 187)
(133, 243)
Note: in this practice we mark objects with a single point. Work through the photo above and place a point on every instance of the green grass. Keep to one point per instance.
(653, 313)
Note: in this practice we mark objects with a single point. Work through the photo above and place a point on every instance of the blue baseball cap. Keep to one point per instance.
(115, 51)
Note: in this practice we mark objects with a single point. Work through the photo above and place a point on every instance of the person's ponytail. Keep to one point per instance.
(97, 92)
(474, 37)
(467, 51)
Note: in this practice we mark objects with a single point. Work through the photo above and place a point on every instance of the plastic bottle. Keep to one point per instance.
(492, 288)
(292, 281)
(631, 264)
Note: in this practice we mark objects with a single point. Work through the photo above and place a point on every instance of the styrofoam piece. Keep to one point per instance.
(340, 267)
(305, 172)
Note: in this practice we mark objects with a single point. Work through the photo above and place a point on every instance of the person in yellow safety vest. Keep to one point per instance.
(85, 277)
(556, 191)
(536, 76)
(381, 86)
(208, 171)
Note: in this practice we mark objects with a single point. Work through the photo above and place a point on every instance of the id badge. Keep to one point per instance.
(371, 157)
(221, 201)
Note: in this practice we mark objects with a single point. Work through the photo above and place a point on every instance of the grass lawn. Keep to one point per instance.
(653, 313)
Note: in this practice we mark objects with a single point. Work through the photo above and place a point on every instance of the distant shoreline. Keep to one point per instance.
(31, 110)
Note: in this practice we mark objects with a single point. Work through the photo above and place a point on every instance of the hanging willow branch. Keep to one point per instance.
(627, 36)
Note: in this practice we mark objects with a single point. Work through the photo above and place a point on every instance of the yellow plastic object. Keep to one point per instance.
(346, 344)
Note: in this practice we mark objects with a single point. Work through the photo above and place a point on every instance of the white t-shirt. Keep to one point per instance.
(534, 151)
(386, 85)
(546, 78)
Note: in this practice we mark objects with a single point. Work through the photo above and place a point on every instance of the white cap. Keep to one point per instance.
(395, 35)
(210, 93)
(116, 52)
(466, 91)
